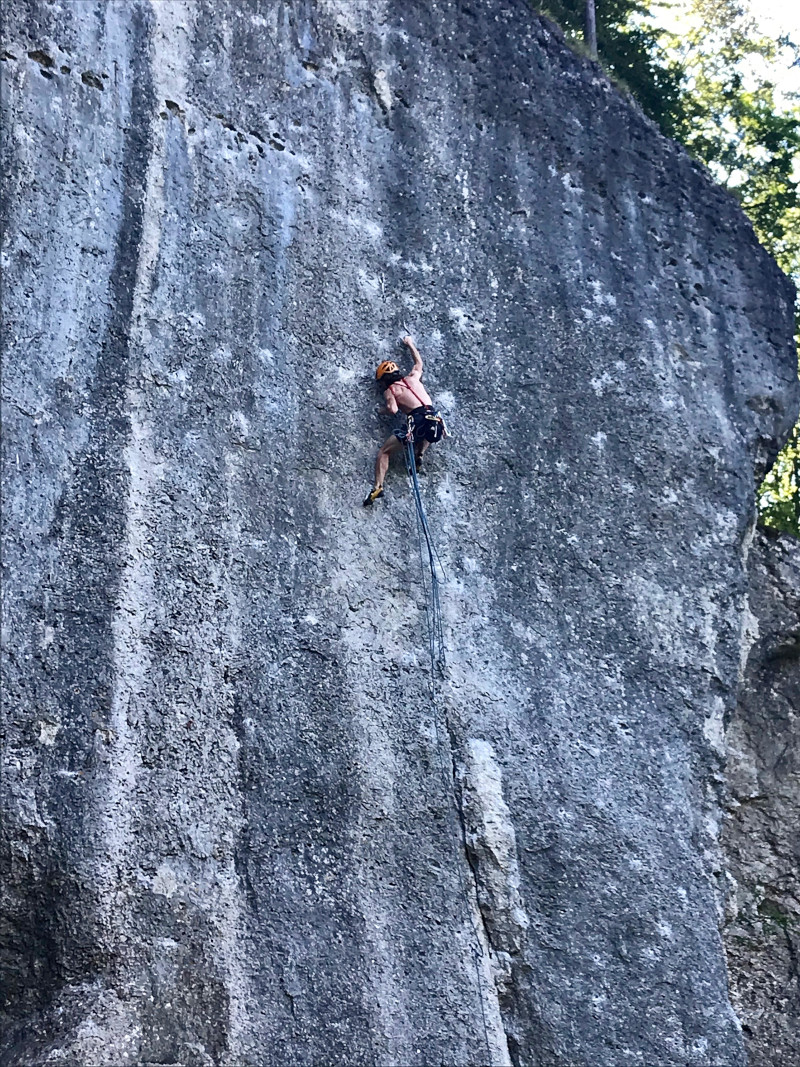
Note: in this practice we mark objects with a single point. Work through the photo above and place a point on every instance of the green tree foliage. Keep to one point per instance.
(731, 119)
(779, 495)
(711, 88)
(630, 49)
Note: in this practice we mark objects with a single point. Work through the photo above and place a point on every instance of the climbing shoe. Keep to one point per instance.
(373, 496)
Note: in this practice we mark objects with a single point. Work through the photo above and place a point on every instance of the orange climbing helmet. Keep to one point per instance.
(387, 367)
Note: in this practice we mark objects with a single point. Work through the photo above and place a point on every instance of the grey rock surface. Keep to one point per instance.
(229, 838)
(761, 839)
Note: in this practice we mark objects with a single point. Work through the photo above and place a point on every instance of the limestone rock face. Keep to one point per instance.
(762, 838)
(238, 831)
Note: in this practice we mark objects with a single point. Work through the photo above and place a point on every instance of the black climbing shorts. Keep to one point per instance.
(427, 425)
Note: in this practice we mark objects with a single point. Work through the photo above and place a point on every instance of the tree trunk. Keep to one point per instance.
(590, 31)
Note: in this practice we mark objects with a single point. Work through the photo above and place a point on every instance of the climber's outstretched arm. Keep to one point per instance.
(417, 357)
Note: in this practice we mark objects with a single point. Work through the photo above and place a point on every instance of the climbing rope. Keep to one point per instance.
(432, 575)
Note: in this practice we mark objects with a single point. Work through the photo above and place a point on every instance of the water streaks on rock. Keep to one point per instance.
(228, 840)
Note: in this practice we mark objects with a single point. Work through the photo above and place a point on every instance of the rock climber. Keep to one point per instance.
(423, 424)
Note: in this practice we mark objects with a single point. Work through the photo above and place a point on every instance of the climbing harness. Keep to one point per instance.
(432, 575)
(425, 419)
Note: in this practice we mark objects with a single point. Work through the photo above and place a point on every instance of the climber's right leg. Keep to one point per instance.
(391, 445)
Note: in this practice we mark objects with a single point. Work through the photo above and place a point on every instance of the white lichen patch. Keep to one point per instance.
(164, 881)
(370, 285)
(601, 297)
(463, 322)
(383, 90)
(675, 623)
(714, 728)
(48, 731)
(360, 223)
(749, 634)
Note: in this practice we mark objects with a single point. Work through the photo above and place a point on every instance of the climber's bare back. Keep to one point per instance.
(401, 396)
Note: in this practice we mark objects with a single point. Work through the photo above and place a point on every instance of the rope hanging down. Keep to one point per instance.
(432, 575)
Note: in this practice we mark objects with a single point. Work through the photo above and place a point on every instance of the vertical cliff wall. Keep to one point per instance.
(238, 831)
(761, 839)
